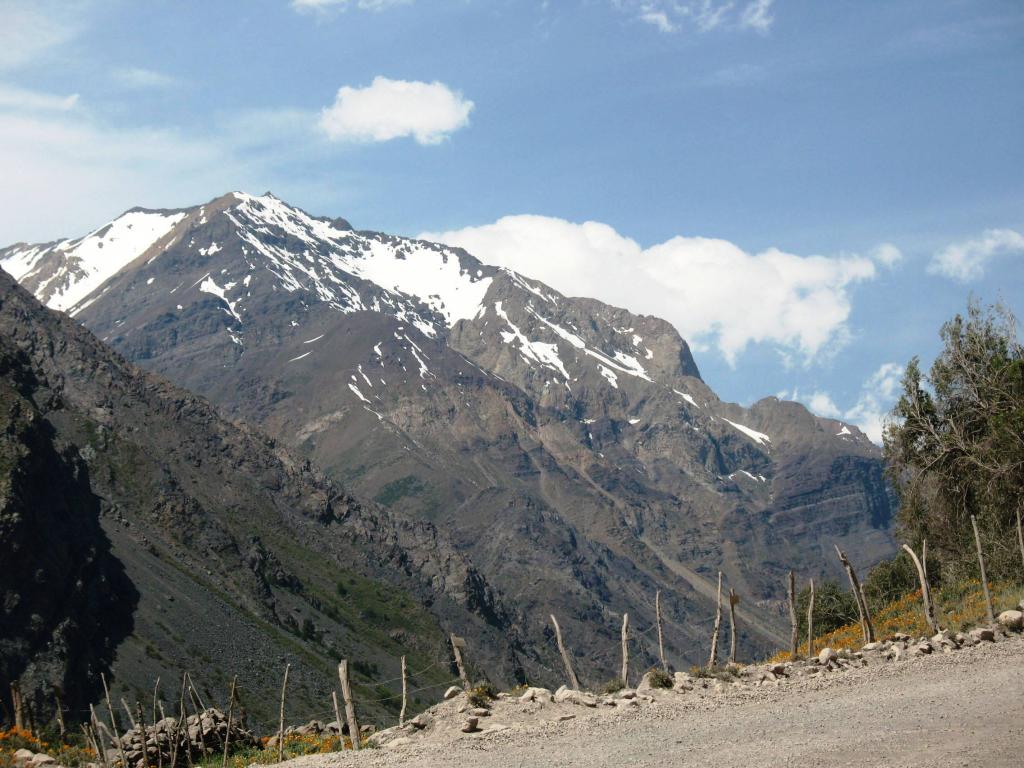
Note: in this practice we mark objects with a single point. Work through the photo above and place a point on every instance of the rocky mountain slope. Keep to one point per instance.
(569, 448)
(143, 534)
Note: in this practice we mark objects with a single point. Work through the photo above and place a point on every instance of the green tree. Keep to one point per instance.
(955, 446)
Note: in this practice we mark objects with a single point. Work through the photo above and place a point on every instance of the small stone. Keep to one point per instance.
(23, 755)
(626, 693)
(827, 655)
(421, 721)
(480, 712)
(41, 759)
(627, 703)
(982, 634)
(471, 725)
(568, 696)
(452, 692)
(563, 718)
(1012, 620)
(871, 647)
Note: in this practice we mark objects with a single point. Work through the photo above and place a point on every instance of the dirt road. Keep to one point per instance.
(962, 709)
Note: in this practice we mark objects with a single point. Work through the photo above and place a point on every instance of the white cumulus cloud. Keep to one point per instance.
(391, 109)
(967, 259)
(713, 291)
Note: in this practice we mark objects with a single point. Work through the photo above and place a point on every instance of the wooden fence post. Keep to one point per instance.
(984, 579)
(102, 747)
(458, 643)
(794, 638)
(350, 707)
(573, 681)
(19, 717)
(858, 594)
(733, 600)
(625, 650)
(661, 639)
(113, 721)
(337, 717)
(810, 622)
(1020, 535)
(280, 722)
(60, 713)
(926, 601)
(401, 715)
(231, 711)
(156, 692)
(713, 661)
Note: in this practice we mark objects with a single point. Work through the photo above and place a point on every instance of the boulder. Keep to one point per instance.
(40, 759)
(421, 721)
(567, 696)
(826, 655)
(1012, 620)
(22, 756)
(480, 712)
(982, 634)
(452, 692)
(682, 682)
(871, 647)
(471, 725)
(542, 695)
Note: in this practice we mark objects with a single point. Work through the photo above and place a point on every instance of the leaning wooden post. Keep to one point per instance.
(405, 694)
(337, 717)
(565, 655)
(733, 600)
(718, 625)
(60, 714)
(925, 593)
(1020, 535)
(810, 622)
(984, 579)
(113, 721)
(280, 722)
(794, 636)
(350, 707)
(858, 595)
(101, 744)
(625, 649)
(156, 693)
(231, 711)
(457, 644)
(661, 639)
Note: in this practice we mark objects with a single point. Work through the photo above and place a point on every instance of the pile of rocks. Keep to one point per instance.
(200, 735)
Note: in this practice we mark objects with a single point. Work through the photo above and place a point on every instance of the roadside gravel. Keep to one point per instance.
(958, 709)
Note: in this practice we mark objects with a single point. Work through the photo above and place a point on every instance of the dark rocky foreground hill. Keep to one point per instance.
(143, 534)
(569, 448)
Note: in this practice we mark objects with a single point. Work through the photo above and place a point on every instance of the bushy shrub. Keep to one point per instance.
(612, 686)
(659, 678)
(482, 694)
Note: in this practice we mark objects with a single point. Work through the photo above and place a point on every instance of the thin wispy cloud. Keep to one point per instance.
(967, 260)
(715, 293)
(23, 100)
(343, 5)
(392, 109)
(702, 15)
(30, 29)
(140, 78)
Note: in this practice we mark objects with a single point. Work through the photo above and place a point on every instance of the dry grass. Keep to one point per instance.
(957, 608)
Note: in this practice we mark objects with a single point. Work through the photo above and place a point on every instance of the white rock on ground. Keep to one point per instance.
(1012, 620)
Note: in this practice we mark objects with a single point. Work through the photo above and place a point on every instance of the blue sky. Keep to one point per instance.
(806, 189)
